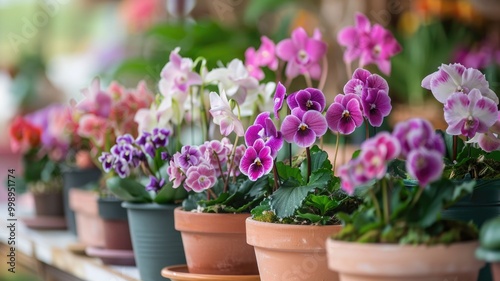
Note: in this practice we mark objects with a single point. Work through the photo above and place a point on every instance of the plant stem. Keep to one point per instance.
(220, 169)
(231, 165)
(367, 130)
(308, 80)
(348, 69)
(337, 143)
(276, 177)
(385, 198)
(455, 148)
(211, 192)
(308, 154)
(324, 74)
(417, 196)
(375, 203)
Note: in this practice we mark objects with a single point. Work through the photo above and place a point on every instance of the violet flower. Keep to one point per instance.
(352, 174)
(200, 178)
(302, 54)
(302, 128)
(345, 115)
(376, 105)
(416, 133)
(189, 156)
(469, 114)
(279, 98)
(454, 78)
(175, 173)
(257, 161)
(107, 160)
(307, 99)
(155, 184)
(424, 165)
(264, 128)
(160, 137)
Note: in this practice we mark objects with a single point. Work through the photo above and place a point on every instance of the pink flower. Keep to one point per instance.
(257, 160)
(302, 53)
(344, 115)
(387, 145)
(96, 100)
(370, 44)
(469, 114)
(489, 141)
(223, 115)
(416, 133)
(178, 75)
(264, 56)
(279, 98)
(453, 78)
(200, 178)
(352, 175)
(93, 127)
(425, 165)
(252, 64)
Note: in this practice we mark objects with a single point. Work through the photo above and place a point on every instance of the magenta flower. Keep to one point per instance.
(264, 128)
(489, 141)
(376, 105)
(200, 178)
(302, 128)
(252, 64)
(469, 114)
(302, 54)
(267, 54)
(454, 78)
(362, 80)
(344, 115)
(279, 98)
(369, 44)
(424, 165)
(307, 99)
(387, 145)
(96, 101)
(257, 161)
(178, 74)
(352, 174)
(417, 133)
(175, 174)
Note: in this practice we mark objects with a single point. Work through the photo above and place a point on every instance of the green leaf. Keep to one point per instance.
(322, 202)
(256, 8)
(168, 194)
(128, 190)
(287, 172)
(312, 217)
(319, 159)
(289, 197)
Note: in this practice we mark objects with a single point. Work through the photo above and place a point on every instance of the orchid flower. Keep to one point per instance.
(178, 74)
(223, 115)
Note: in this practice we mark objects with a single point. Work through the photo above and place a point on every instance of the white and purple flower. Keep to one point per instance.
(345, 114)
(264, 128)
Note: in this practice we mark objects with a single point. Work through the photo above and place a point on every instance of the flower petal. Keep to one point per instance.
(316, 122)
(289, 127)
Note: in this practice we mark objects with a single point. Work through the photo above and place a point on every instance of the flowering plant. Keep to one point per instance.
(471, 111)
(398, 210)
(37, 136)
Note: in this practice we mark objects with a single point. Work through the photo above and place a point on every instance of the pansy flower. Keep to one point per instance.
(303, 127)
(257, 160)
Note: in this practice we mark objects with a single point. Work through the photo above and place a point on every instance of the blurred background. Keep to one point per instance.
(50, 49)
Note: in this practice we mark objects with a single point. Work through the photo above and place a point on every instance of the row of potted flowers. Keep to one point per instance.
(263, 162)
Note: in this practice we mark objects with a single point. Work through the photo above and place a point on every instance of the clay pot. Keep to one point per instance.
(495, 270)
(215, 243)
(391, 262)
(49, 204)
(291, 252)
(115, 223)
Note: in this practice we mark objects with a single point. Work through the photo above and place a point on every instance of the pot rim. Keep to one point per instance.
(394, 246)
(186, 221)
(148, 206)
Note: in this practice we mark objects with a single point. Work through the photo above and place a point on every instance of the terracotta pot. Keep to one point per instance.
(215, 243)
(495, 270)
(390, 262)
(49, 204)
(291, 252)
(89, 226)
(115, 223)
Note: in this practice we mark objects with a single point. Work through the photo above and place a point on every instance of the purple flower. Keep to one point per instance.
(302, 54)
(376, 106)
(469, 114)
(425, 165)
(257, 161)
(352, 174)
(416, 133)
(216, 154)
(160, 137)
(175, 174)
(302, 128)
(107, 160)
(344, 115)
(125, 139)
(362, 80)
(387, 145)
(307, 99)
(279, 98)
(454, 78)
(178, 74)
(189, 156)
(370, 44)
(155, 184)
(264, 128)
(122, 167)
(200, 178)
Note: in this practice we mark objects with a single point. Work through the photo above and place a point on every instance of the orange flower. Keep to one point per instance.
(24, 135)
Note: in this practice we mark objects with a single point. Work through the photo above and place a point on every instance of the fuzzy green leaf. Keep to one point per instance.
(128, 190)
(289, 197)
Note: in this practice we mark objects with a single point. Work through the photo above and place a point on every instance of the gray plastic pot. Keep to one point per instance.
(76, 178)
(155, 241)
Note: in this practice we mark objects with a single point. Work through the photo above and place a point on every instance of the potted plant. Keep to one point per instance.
(403, 217)
(489, 246)
(101, 116)
(36, 136)
(289, 228)
(471, 112)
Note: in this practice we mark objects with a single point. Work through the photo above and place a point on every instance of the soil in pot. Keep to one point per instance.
(216, 243)
(291, 252)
